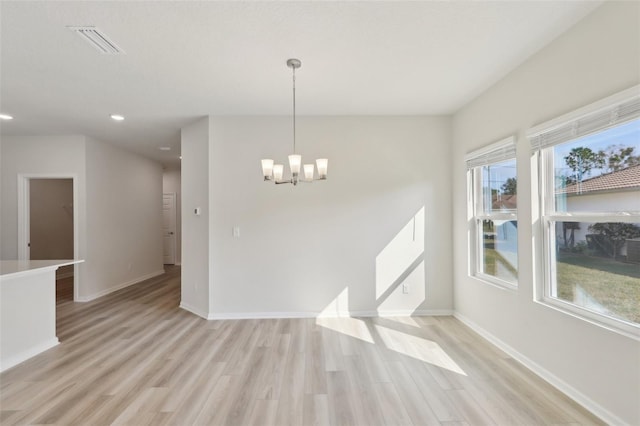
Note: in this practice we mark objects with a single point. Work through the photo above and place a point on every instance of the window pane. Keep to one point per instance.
(499, 187)
(599, 172)
(499, 249)
(597, 267)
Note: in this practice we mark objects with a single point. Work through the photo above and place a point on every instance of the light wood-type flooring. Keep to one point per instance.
(133, 357)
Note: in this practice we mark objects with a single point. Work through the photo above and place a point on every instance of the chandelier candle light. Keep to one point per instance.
(275, 172)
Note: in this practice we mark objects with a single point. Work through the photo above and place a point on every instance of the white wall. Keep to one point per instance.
(40, 155)
(195, 228)
(124, 218)
(171, 183)
(119, 206)
(598, 57)
(338, 246)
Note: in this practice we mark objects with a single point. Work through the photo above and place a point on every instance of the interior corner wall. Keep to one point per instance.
(171, 183)
(379, 224)
(124, 219)
(40, 155)
(195, 226)
(596, 58)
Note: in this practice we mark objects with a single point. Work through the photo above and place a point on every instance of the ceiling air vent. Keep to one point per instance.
(98, 39)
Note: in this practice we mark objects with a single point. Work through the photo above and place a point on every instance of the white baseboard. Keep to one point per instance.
(119, 287)
(341, 314)
(417, 313)
(597, 410)
(16, 359)
(196, 311)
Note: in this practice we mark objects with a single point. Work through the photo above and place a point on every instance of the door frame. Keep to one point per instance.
(174, 240)
(24, 216)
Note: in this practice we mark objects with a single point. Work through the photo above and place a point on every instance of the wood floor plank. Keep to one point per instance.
(472, 412)
(291, 399)
(263, 413)
(393, 410)
(341, 403)
(316, 410)
(134, 357)
(315, 377)
(365, 403)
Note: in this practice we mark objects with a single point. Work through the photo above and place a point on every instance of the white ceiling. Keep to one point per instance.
(187, 59)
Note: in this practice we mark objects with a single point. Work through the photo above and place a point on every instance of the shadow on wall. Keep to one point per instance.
(400, 287)
(400, 278)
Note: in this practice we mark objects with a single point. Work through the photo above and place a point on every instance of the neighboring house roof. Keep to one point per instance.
(502, 202)
(618, 180)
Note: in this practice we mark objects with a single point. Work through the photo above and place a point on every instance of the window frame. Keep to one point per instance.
(545, 253)
(498, 152)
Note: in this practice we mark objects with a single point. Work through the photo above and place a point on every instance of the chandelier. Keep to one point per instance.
(274, 172)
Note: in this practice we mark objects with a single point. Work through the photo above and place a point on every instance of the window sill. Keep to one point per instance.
(495, 282)
(621, 327)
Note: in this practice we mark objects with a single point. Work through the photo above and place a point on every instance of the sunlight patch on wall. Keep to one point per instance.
(338, 307)
(398, 303)
(397, 257)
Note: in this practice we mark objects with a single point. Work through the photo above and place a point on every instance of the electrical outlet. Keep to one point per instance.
(405, 288)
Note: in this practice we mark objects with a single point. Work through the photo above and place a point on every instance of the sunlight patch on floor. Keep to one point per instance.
(335, 316)
(418, 348)
(404, 321)
(352, 327)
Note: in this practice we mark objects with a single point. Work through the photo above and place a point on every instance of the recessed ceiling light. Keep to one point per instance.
(117, 117)
(164, 148)
(180, 157)
(6, 117)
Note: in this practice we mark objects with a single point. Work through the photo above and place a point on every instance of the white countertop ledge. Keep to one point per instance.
(17, 268)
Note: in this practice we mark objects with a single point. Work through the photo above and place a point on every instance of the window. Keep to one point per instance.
(493, 200)
(589, 168)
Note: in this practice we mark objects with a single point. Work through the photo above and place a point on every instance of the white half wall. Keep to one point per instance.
(598, 57)
(124, 219)
(380, 222)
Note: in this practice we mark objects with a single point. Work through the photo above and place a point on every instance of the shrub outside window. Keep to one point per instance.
(590, 213)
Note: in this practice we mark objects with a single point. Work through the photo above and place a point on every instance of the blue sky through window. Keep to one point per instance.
(626, 135)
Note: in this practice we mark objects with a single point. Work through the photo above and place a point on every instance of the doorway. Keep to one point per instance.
(51, 228)
(48, 225)
(169, 228)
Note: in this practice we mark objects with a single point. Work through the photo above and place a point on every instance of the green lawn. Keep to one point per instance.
(496, 265)
(613, 285)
